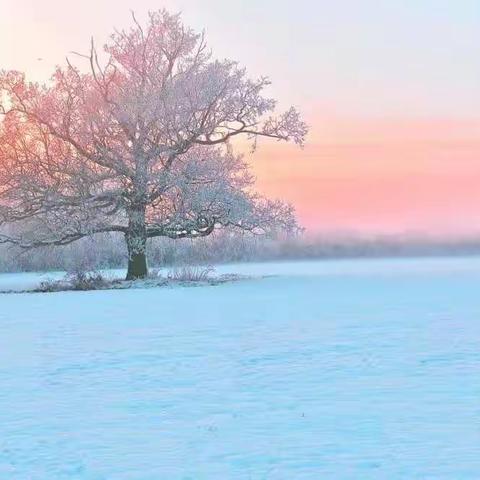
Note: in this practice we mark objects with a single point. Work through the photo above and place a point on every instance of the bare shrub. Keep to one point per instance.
(190, 273)
(49, 285)
(78, 280)
(87, 281)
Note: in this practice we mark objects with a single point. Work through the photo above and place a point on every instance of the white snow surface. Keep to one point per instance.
(358, 369)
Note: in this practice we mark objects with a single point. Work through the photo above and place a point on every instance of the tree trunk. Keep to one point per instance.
(137, 265)
(136, 238)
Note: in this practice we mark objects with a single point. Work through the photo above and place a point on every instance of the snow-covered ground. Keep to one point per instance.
(327, 370)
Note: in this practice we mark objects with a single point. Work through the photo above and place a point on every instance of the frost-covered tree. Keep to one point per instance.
(137, 143)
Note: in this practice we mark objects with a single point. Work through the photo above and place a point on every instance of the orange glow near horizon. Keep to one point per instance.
(387, 177)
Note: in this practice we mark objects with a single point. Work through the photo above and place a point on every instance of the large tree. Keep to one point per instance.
(137, 143)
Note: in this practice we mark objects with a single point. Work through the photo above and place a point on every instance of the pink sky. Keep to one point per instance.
(391, 91)
(382, 176)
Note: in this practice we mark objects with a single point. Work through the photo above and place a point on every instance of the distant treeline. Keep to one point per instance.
(108, 251)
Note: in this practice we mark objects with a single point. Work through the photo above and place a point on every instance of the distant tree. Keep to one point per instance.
(139, 144)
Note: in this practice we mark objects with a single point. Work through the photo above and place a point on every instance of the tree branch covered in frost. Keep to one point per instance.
(208, 187)
(139, 144)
